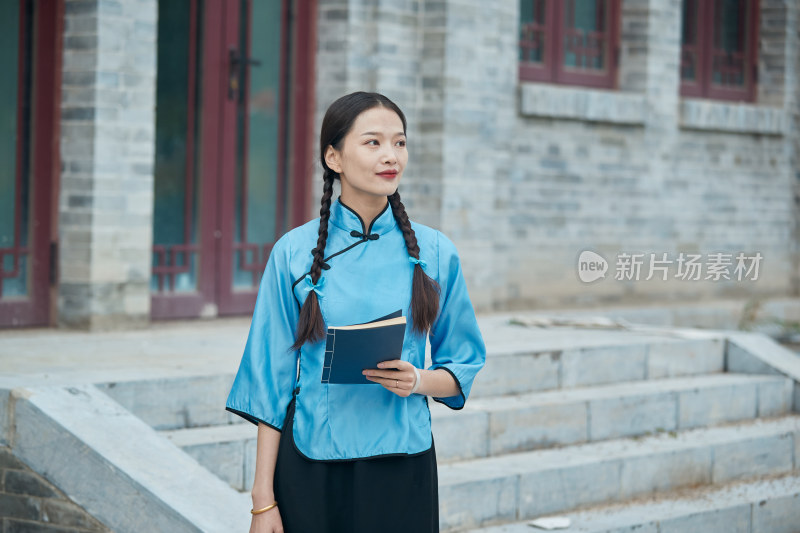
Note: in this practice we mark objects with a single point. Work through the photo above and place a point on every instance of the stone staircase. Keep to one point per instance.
(631, 431)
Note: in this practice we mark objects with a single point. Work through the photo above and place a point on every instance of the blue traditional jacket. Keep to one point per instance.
(369, 275)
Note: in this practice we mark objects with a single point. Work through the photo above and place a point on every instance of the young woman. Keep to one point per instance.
(341, 457)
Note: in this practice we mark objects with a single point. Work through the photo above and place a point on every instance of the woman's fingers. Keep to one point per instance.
(397, 376)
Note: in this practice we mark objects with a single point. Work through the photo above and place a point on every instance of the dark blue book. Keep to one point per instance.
(351, 349)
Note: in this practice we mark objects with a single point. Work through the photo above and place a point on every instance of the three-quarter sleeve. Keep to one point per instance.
(456, 341)
(264, 383)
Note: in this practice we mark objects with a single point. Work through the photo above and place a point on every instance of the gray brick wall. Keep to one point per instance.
(107, 154)
(521, 176)
(31, 504)
(524, 176)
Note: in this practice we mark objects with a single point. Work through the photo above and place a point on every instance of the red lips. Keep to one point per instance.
(388, 173)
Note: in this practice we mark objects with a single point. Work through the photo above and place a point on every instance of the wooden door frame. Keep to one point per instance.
(47, 25)
(297, 74)
(217, 160)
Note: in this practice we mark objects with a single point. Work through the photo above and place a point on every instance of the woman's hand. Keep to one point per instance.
(267, 522)
(399, 381)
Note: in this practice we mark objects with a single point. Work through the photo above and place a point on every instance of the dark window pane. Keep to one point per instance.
(258, 132)
(689, 50)
(175, 204)
(728, 56)
(585, 27)
(532, 31)
(15, 126)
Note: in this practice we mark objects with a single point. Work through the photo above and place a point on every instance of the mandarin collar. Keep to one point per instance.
(347, 219)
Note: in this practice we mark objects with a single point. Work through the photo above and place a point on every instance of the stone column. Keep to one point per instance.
(792, 106)
(107, 154)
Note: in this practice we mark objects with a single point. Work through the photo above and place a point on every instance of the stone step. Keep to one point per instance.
(503, 424)
(495, 426)
(513, 368)
(228, 451)
(524, 485)
(769, 505)
(558, 362)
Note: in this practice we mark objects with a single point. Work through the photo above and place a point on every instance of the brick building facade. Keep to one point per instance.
(523, 175)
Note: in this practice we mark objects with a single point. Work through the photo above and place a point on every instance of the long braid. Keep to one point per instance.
(310, 325)
(425, 290)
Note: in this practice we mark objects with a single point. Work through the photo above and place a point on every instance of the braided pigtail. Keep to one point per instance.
(424, 290)
(310, 325)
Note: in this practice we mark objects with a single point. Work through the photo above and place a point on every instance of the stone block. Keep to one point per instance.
(249, 474)
(459, 435)
(536, 426)
(547, 491)
(752, 458)
(596, 365)
(67, 514)
(775, 397)
(517, 373)
(777, 515)
(670, 359)
(19, 506)
(632, 415)
(8, 460)
(705, 407)
(730, 520)
(473, 504)
(739, 360)
(5, 421)
(26, 483)
(660, 472)
(223, 459)
(172, 403)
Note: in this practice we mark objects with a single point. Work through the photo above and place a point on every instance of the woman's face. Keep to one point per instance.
(372, 157)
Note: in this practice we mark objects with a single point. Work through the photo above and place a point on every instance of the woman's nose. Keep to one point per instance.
(389, 157)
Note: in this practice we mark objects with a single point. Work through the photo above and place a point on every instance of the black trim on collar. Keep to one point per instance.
(364, 229)
(363, 236)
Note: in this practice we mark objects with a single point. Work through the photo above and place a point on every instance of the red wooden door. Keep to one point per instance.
(29, 103)
(230, 171)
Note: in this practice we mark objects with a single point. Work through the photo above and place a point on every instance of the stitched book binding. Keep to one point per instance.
(351, 349)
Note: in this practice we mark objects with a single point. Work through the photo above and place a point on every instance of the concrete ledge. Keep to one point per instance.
(710, 115)
(115, 466)
(755, 353)
(765, 506)
(593, 105)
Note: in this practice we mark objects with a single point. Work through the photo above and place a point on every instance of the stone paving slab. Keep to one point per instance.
(769, 505)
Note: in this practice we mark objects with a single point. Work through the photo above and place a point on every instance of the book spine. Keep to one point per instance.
(330, 341)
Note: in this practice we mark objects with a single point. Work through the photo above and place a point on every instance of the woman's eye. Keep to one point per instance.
(401, 143)
(372, 141)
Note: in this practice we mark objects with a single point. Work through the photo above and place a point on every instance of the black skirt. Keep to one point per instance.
(387, 494)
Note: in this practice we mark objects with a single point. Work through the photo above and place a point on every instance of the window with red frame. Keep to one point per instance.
(718, 52)
(573, 42)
